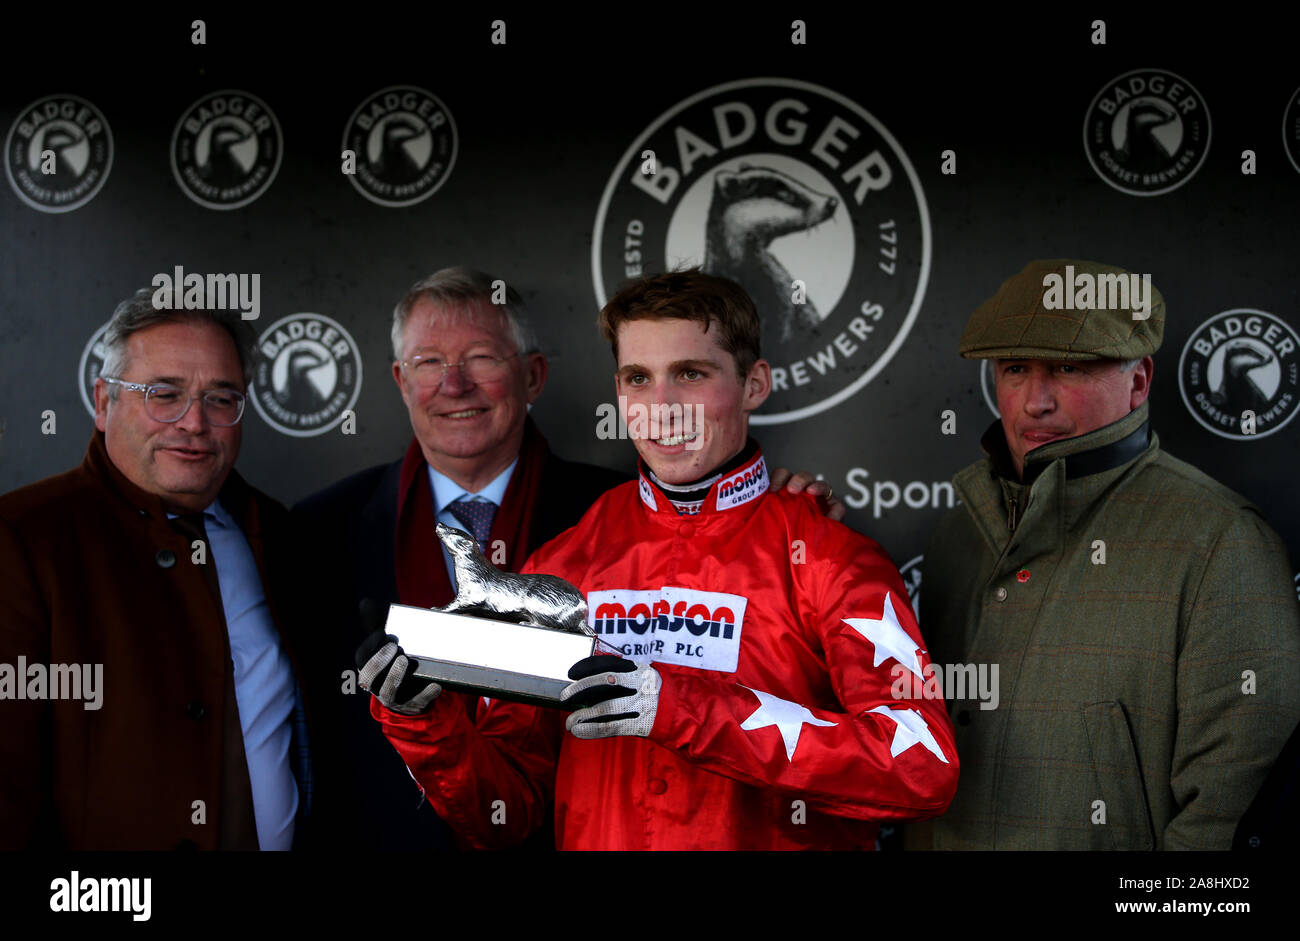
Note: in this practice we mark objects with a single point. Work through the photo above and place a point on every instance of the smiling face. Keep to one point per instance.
(469, 431)
(674, 362)
(1042, 401)
(184, 462)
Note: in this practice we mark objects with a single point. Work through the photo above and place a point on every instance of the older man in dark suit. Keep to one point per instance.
(150, 572)
(467, 370)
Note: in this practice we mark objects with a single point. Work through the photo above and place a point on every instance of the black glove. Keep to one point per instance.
(612, 696)
(389, 675)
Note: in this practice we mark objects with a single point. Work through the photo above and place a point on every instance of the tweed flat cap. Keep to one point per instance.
(1068, 309)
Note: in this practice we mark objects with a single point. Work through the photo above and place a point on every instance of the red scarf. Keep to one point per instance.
(421, 571)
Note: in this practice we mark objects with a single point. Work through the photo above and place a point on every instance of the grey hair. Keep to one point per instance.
(1128, 364)
(137, 313)
(465, 288)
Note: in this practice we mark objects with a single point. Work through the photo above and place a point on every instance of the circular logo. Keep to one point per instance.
(307, 373)
(404, 140)
(92, 361)
(1291, 129)
(1239, 374)
(911, 573)
(1147, 132)
(58, 153)
(989, 387)
(226, 149)
(801, 196)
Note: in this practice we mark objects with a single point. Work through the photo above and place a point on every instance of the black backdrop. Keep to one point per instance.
(541, 124)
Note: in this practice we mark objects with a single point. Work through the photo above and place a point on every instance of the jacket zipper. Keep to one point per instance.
(1011, 517)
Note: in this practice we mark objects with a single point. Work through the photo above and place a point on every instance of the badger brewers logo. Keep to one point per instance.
(226, 149)
(1238, 362)
(58, 153)
(92, 361)
(308, 373)
(1147, 132)
(1291, 129)
(771, 182)
(405, 144)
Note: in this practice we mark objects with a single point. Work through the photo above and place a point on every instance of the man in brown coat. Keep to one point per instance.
(148, 699)
(1140, 615)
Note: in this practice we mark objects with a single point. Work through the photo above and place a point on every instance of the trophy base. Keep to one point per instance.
(494, 684)
(497, 659)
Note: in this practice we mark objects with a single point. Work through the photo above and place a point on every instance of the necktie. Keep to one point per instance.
(476, 516)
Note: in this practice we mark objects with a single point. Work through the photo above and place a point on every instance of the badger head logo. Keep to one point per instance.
(748, 209)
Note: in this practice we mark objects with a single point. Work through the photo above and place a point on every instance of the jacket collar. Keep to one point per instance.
(1104, 449)
(1065, 481)
(740, 487)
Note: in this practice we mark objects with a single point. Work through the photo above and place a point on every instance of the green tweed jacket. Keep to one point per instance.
(1147, 635)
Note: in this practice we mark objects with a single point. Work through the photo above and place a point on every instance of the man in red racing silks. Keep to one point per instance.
(754, 705)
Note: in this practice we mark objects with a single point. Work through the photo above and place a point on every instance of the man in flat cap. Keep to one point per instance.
(1141, 614)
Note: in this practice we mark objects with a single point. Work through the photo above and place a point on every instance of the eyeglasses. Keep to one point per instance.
(430, 370)
(166, 403)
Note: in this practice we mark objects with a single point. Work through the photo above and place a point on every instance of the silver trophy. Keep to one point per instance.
(504, 636)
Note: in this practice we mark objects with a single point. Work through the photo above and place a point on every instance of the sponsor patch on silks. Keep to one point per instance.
(744, 485)
(306, 375)
(672, 625)
(647, 494)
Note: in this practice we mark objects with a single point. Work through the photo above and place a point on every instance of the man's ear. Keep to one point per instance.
(536, 369)
(1142, 375)
(758, 385)
(400, 379)
(101, 405)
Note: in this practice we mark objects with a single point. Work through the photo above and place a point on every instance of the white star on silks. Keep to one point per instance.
(788, 717)
(912, 728)
(888, 637)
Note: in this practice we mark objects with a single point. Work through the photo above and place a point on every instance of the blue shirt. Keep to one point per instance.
(446, 492)
(264, 680)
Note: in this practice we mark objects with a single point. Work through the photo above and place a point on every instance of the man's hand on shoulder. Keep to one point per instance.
(612, 697)
(833, 509)
(389, 675)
